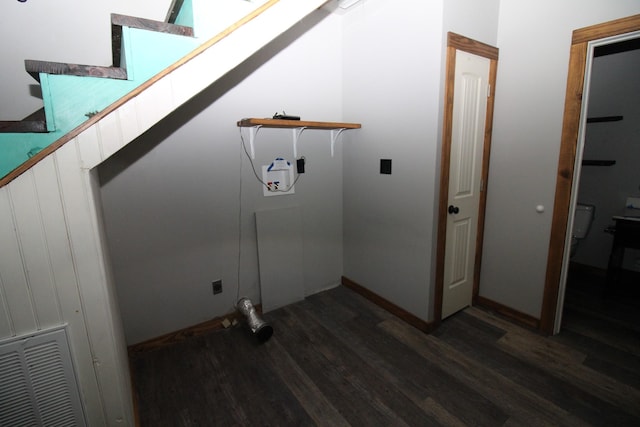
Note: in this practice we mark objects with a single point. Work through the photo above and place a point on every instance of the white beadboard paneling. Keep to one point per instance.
(197, 74)
(85, 247)
(110, 135)
(154, 104)
(184, 84)
(6, 329)
(62, 266)
(90, 148)
(14, 280)
(129, 126)
(35, 250)
(189, 80)
(200, 68)
(82, 236)
(120, 397)
(120, 345)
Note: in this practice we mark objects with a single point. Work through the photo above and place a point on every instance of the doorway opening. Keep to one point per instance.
(585, 42)
(604, 180)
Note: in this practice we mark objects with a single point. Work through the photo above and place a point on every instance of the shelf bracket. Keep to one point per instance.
(296, 135)
(253, 131)
(297, 131)
(335, 133)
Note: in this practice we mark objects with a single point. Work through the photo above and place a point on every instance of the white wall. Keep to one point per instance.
(172, 214)
(392, 69)
(614, 89)
(477, 20)
(71, 31)
(394, 62)
(390, 83)
(534, 39)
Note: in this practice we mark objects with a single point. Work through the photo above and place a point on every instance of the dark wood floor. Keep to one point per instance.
(337, 360)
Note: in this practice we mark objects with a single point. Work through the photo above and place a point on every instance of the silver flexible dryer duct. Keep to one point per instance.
(259, 327)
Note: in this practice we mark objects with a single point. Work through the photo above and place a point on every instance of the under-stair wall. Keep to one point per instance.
(54, 268)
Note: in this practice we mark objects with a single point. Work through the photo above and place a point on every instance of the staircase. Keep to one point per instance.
(141, 49)
(54, 270)
(73, 93)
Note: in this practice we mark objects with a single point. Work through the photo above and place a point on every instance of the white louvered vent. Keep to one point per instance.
(37, 382)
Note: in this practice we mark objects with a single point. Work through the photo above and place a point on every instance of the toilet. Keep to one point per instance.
(582, 220)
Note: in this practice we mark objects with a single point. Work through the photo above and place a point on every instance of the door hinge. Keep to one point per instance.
(481, 185)
(488, 90)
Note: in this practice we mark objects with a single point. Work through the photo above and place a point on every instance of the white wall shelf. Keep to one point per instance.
(297, 127)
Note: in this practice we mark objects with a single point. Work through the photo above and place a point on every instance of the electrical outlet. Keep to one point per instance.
(217, 287)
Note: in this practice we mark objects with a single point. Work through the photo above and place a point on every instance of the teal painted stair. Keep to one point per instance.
(72, 93)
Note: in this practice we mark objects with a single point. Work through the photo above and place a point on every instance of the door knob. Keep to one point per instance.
(453, 209)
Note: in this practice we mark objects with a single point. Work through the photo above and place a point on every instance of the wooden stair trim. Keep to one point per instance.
(35, 67)
(118, 21)
(38, 115)
(35, 122)
(114, 106)
(174, 9)
(151, 25)
(23, 126)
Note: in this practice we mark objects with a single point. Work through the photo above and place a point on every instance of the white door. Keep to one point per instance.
(465, 173)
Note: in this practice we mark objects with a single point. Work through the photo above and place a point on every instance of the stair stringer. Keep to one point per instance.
(55, 268)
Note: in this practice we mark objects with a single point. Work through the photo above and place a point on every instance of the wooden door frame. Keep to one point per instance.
(458, 42)
(566, 163)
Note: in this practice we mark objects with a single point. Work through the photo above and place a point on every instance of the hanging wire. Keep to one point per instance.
(239, 222)
(255, 173)
(243, 148)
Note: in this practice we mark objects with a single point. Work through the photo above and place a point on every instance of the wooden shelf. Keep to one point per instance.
(276, 123)
(598, 162)
(604, 119)
(298, 126)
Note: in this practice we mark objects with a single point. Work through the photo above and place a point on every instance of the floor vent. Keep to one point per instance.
(37, 382)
